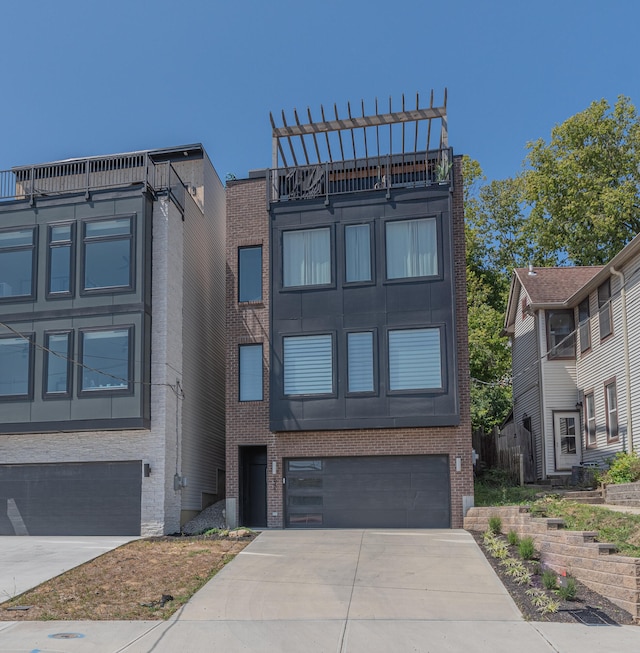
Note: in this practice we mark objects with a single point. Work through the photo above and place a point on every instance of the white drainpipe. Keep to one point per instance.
(627, 365)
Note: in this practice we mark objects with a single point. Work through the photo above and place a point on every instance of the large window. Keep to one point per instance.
(357, 253)
(360, 362)
(16, 367)
(17, 263)
(250, 372)
(57, 365)
(106, 357)
(308, 364)
(108, 254)
(604, 308)
(250, 274)
(411, 248)
(560, 334)
(585, 325)
(415, 359)
(590, 419)
(306, 257)
(611, 404)
(59, 280)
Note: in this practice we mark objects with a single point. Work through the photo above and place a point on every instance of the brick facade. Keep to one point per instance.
(247, 423)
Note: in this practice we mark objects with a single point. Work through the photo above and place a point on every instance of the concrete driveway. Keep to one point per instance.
(361, 591)
(28, 561)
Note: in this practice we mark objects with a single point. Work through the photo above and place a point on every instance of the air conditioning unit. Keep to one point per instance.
(5, 289)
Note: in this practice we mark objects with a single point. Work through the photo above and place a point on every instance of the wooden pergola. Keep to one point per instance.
(357, 137)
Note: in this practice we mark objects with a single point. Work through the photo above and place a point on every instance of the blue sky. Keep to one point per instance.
(82, 77)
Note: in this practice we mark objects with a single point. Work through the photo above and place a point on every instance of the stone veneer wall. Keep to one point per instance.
(595, 564)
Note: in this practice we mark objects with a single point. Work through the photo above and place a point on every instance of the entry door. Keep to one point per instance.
(566, 428)
(254, 486)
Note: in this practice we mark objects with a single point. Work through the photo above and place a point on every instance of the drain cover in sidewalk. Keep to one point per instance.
(66, 636)
(592, 617)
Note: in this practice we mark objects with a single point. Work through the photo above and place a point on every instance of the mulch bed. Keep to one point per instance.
(588, 607)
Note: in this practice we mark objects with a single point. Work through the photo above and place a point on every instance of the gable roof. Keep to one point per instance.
(546, 286)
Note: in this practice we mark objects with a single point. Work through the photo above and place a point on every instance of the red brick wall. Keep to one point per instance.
(248, 422)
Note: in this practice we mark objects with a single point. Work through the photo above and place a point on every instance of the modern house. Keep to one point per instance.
(347, 358)
(111, 343)
(575, 335)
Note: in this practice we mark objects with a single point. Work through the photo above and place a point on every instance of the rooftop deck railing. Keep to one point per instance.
(419, 169)
(87, 175)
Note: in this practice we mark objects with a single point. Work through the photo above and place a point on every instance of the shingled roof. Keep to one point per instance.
(554, 285)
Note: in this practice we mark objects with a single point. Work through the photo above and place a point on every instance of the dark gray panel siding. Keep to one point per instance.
(101, 498)
(379, 305)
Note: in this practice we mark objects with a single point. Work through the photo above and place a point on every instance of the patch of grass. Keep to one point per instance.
(495, 524)
(512, 538)
(488, 494)
(621, 529)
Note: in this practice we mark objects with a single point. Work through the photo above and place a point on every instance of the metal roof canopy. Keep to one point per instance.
(301, 139)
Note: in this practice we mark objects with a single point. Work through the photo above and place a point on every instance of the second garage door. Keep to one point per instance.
(368, 492)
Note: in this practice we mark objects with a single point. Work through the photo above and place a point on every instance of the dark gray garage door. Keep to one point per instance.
(101, 498)
(368, 492)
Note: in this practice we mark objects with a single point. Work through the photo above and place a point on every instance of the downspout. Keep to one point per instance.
(541, 393)
(627, 364)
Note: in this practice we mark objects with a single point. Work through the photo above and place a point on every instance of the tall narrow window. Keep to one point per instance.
(250, 274)
(415, 359)
(590, 419)
(17, 274)
(57, 373)
(604, 308)
(560, 334)
(306, 257)
(308, 365)
(611, 399)
(412, 248)
(108, 254)
(16, 367)
(360, 362)
(250, 372)
(106, 357)
(585, 325)
(60, 260)
(357, 252)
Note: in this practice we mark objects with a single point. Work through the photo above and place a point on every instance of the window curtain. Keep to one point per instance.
(307, 257)
(415, 359)
(360, 361)
(308, 365)
(411, 248)
(358, 252)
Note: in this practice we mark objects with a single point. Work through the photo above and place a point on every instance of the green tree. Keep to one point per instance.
(584, 185)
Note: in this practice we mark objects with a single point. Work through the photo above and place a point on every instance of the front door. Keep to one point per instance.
(253, 461)
(566, 429)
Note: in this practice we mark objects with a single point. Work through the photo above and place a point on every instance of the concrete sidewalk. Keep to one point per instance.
(338, 591)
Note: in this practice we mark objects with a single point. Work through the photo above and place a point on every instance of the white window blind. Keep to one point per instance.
(357, 244)
(360, 361)
(250, 372)
(411, 247)
(415, 359)
(308, 365)
(306, 257)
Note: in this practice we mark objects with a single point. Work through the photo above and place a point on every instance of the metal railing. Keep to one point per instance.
(419, 169)
(86, 175)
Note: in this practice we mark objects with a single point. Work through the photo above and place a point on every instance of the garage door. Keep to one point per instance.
(101, 498)
(368, 492)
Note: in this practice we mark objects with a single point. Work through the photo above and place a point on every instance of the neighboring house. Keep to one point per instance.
(111, 343)
(575, 334)
(347, 375)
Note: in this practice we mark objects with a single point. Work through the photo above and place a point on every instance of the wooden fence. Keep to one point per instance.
(510, 449)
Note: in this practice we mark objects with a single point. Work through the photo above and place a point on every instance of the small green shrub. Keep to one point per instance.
(549, 579)
(512, 538)
(526, 549)
(495, 524)
(569, 591)
(624, 468)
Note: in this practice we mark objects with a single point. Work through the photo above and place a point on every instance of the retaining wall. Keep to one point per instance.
(625, 494)
(595, 564)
